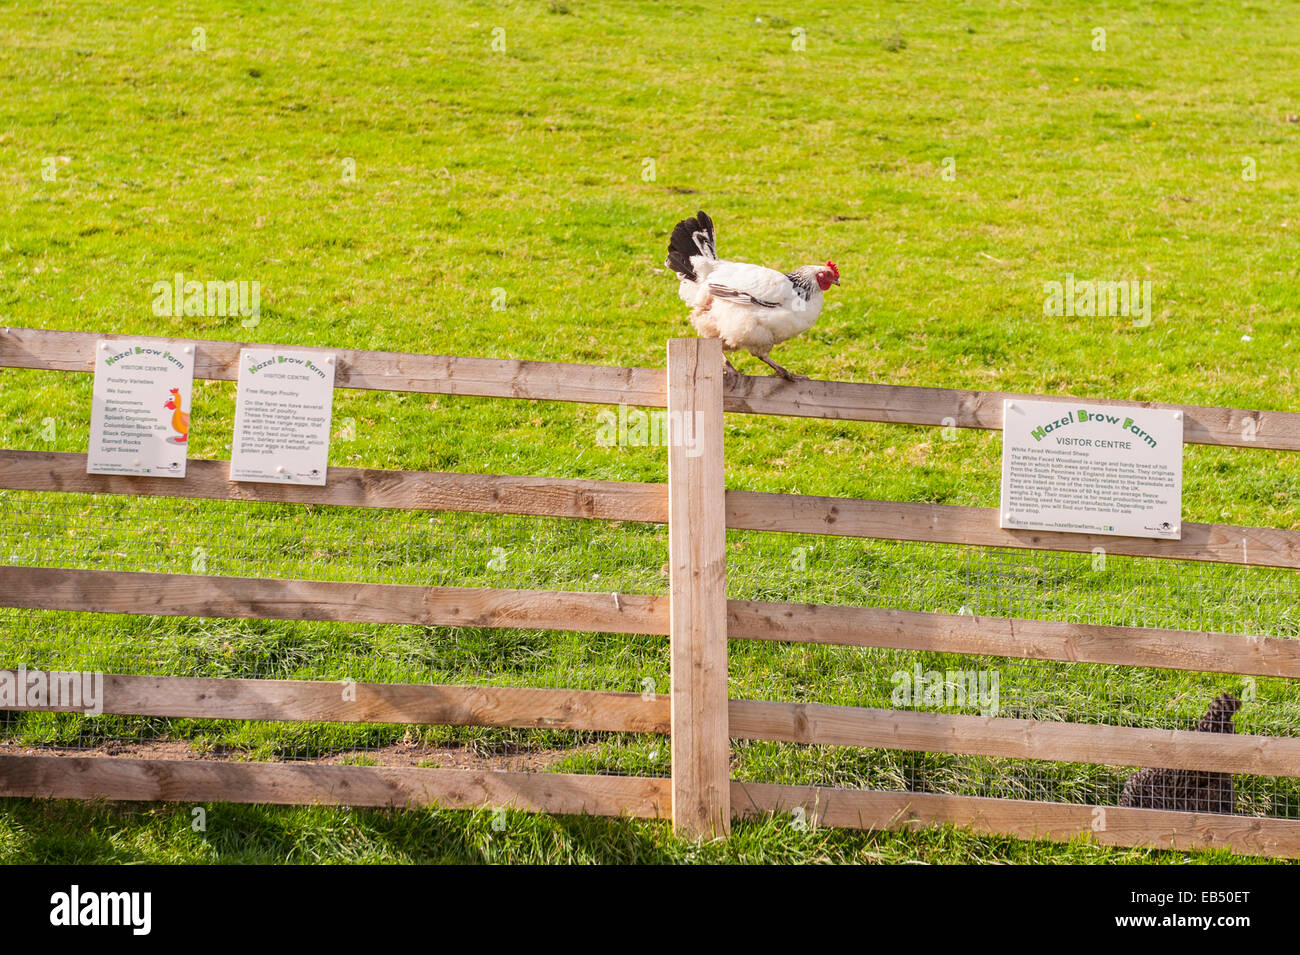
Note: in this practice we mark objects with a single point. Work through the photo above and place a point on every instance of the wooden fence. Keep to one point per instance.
(697, 616)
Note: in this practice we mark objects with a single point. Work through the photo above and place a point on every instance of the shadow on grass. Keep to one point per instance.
(66, 832)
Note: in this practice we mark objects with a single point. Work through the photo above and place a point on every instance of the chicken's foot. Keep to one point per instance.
(731, 375)
(787, 375)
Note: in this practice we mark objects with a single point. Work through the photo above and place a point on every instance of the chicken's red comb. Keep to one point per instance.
(831, 266)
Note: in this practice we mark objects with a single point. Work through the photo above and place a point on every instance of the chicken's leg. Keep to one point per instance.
(787, 375)
(731, 375)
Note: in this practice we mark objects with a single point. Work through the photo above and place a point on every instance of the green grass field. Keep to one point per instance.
(394, 182)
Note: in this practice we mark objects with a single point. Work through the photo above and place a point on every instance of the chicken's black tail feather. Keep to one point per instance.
(1219, 717)
(691, 237)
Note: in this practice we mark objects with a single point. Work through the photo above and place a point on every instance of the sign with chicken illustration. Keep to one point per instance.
(139, 418)
(283, 406)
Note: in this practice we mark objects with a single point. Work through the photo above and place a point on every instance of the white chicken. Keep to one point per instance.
(746, 306)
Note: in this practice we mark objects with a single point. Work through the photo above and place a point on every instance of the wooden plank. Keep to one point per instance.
(341, 702)
(355, 487)
(306, 784)
(1023, 819)
(65, 777)
(962, 408)
(369, 370)
(186, 595)
(697, 546)
(978, 526)
(917, 731)
(644, 502)
(600, 384)
(1006, 637)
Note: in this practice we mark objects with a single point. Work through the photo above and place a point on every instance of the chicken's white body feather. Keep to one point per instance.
(747, 306)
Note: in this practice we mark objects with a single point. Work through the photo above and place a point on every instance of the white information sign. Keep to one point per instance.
(139, 412)
(1095, 469)
(283, 407)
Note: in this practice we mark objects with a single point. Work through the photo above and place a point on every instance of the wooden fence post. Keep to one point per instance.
(697, 541)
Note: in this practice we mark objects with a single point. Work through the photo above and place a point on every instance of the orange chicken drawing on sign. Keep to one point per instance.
(180, 419)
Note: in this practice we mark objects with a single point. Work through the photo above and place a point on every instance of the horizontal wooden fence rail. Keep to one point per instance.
(371, 370)
(648, 503)
(837, 625)
(603, 711)
(1023, 818)
(963, 408)
(920, 731)
(195, 595)
(647, 387)
(309, 784)
(978, 526)
(192, 781)
(323, 701)
(354, 487)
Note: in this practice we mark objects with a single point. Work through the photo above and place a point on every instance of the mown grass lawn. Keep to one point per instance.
(394, 182)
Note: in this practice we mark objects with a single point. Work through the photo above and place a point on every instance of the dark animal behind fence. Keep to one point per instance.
(1188, 790)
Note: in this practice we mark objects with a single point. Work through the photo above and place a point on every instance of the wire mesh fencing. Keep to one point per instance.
(995, 582)
(317, 542)
(332, 543)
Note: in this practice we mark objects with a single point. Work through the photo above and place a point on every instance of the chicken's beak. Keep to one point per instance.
(835, 280)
